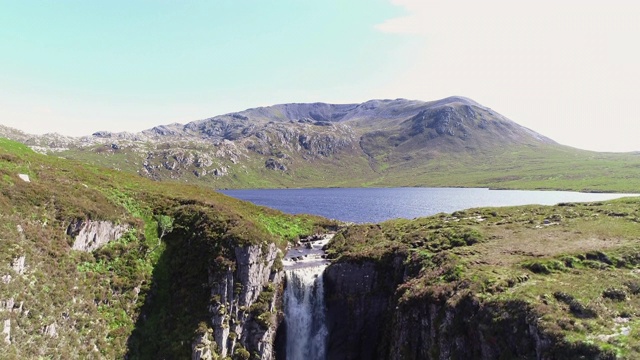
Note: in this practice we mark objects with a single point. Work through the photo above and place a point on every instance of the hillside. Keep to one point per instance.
(101, 264)
(529, 282)
(449, 142)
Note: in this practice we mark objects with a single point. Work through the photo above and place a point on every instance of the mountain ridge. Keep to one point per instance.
(453, 141)
(293, 111)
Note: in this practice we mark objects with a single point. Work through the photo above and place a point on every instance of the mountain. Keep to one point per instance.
(449, 142)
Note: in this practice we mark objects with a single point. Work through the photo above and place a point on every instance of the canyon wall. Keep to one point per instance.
(368, 320)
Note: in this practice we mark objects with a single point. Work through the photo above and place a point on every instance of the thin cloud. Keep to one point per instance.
(411, 24)
(557, 67)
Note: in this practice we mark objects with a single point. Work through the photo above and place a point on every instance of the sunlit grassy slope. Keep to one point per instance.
(526, 167)
(522, 167)
(140, 296)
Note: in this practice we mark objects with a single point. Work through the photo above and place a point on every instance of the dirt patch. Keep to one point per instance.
(515, 246)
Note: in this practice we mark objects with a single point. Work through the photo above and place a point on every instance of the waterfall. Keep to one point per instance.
(304, 314)
(304, 309)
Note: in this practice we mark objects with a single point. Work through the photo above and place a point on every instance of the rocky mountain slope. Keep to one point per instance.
(449, 142)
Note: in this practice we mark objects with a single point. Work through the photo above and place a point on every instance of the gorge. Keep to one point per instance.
(304, 325)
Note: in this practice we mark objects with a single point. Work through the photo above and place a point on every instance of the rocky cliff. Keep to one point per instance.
(100, 264)
(359, 300)
(91, 235)
(487, 284)
(367, 321)
(243, 313)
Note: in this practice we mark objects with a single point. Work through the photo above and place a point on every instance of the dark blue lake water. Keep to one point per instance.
(362, 205)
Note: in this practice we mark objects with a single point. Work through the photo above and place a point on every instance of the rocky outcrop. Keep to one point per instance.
(6, 307)
(9, 305)
(367, 320)
(91, 235)
(324, 144)
(50, 330)
(243, 304)
(201, 347)
(273, 164)
(18, 264)
(229, 149)
(359, 298)
(6, 331)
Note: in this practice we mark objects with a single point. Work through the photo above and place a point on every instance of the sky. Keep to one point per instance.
(569, 70)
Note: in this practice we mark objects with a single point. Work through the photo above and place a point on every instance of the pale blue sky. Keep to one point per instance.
(76, 67)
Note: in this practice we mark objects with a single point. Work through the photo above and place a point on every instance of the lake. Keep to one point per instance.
(361, 205)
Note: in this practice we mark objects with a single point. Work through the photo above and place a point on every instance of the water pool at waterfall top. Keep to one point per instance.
(363, 205)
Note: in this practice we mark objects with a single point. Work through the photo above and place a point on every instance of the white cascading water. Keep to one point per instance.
(304, 314)
(304, 309)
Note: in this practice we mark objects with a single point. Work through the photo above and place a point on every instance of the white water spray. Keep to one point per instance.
(304, 314)
(304, 309)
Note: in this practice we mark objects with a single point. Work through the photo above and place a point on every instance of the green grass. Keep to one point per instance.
(570, 274)
(285, 226)
(134, 296)
(544, 167)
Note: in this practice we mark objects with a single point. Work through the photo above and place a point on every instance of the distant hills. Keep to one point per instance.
(450, 142)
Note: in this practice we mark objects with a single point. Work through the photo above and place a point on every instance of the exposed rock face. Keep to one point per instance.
(224, 148)
(358, 301)
(201, 347)
(6, 331)
(18, 265)
(9, 305)
(244, 304)
(324, 144)
(367, 321)
(274, 165)
(435, 330)
(91, 235)
(50, 330)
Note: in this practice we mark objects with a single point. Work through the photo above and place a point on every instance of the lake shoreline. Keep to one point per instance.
(370, 205)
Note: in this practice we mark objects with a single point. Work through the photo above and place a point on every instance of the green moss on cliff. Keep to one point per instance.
(140, 296)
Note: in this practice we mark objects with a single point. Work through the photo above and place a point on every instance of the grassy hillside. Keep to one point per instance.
(138, 296)
(527, 167)
(524, 167)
